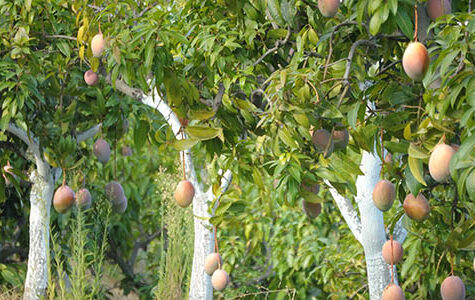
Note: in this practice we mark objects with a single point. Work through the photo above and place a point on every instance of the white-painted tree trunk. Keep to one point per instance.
(40, 200)
(200, 284)
(373, 234)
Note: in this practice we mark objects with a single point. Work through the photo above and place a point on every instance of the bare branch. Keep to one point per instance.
(349, 60)
(278, 44)
(142, 245)
(330, 50)
(29, 140)
(348, 212)
(123, 87)
(60, 36)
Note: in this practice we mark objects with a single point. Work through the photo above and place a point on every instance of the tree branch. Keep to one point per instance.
(225, 183)
(88, 133)
(400, 233)
(275, 48)
(348, 212)
(29, 140)
(142, 245)
(349, 60)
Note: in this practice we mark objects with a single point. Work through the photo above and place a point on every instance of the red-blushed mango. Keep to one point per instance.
(63, 199)
(102, 150)
(452, 288)
(83, 199)
(415, 60)
(212, 263)
(384, 194)
(312, 210)
(184, 193)
(328, 8)
(416, 208)
(97, 45)
(437, 8)
(397, 252)
(340, 138)
(393, 292)
(91, 77)
(322, 141)
(439, 162)
(219, 280)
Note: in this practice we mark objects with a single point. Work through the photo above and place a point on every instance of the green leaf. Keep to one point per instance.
(404, 23)
(140, 133)
(181, 145)
(204, 133)
(411, 182)
(308, 196)
(417, 152)
(201, 114)
(375, 23)
(286, 137)
(416, 169)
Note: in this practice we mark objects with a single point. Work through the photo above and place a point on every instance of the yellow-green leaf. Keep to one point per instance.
(201, 114)
(181, 145)
(415, 165)
(204, 133)
(407, 132)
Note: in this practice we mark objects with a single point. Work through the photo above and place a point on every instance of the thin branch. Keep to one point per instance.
(348, 212)
(60, 36)
(386, 68)
(278, 44)
(142, 245)
(225, 183)
(268, 268)
(330, 50)
(349, 60)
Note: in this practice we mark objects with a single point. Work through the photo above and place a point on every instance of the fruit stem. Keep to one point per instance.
(64, 176)
(451, 264)
(392, 259)
(416, 21)
(216, 247)
(115, 155)
(382, 153)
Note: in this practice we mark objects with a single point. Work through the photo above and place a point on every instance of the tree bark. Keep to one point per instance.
(200, 284)
(40, 199)
(372, 225)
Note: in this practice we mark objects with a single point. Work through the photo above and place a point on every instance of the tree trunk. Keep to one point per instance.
(372, 226)
(200, 284)
(40, 199)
